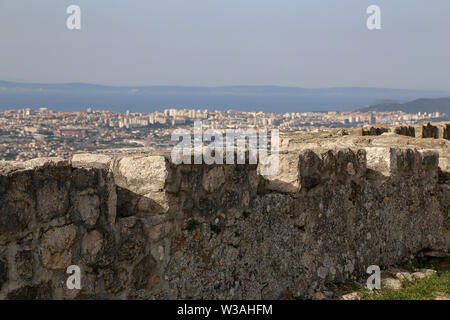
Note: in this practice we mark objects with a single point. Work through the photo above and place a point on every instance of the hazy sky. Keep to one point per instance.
(303, 43)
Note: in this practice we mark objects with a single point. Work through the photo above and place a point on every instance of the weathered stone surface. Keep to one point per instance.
(287, 180)
(391, 283)
(144, 274)
(374, 131)
(3, 272)
(56, 252)
(419, 275)
(15, 215)
(446, 131)
(153, 203)
(91, 160)
(398, 162)
(91, 246)
(428, 272)
(429, 131)
(17, 205)
(404, 276)
(87, 206)
(51, 162)
(319, 296)
(447, 239)
(351, 296)
(115, 281)
(42, 291)
(132, 239)
(405, 131)
(213, 178)
(142, 175)
(52, 200)
(309, 170)
(141, 227)
(24, 264)
(379, 160)
(160, 231)
(111, 202)
(84, 178)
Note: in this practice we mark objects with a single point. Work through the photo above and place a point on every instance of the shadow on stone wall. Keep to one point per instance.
(140, 227)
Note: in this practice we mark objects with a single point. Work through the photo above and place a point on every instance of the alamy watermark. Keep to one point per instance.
(374, 281)
(374, 20)
(74, 280)
(73, 22)
(234, 148)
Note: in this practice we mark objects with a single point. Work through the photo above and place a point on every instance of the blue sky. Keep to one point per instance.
(302, 43)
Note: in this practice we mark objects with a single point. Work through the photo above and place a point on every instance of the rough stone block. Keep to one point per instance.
(402, 162)
(56, 247)
(91, 246)
(213, 178)
(91, 160)
(17, 209)
(3, 271)
(24, 264)
(86, 206)
(52, 200)
(141, 174)
(41, 291)
(287, 180)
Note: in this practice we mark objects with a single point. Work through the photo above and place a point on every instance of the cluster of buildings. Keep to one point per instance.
(28, 133)
(230, 119)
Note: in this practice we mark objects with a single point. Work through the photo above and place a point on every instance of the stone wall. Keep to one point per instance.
(446, 131)
(409, 131)
(140, 227)
(424, 130)
(374, 130)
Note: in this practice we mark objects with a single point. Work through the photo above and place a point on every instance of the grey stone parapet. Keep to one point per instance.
(142, 227)
(423, 130)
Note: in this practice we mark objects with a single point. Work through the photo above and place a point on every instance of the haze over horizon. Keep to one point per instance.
(104, 85)
(79, 96)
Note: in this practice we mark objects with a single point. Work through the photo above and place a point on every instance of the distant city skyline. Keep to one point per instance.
(307, 44)
(43, 133)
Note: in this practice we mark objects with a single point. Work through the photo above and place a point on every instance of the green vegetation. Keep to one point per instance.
(435, 286)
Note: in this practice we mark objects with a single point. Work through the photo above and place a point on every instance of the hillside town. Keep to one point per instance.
(27, 133)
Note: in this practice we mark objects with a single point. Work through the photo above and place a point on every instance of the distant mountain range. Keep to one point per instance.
(441, 105)
(79, 96)
(8, 85)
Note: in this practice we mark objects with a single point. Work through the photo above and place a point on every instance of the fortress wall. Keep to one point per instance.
(405, 131)
(435, 131)
(427, 131)
(374, 131)
(307, 169)
(49, 211)
(446, 131)
(141, 227)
